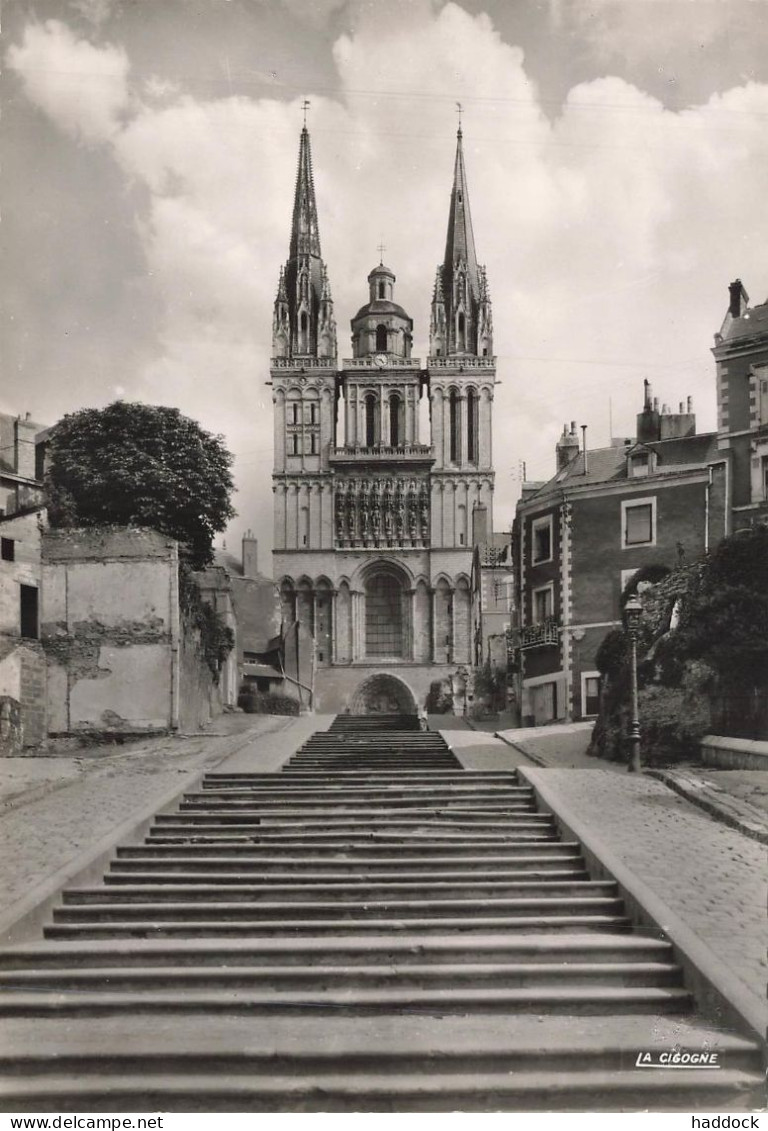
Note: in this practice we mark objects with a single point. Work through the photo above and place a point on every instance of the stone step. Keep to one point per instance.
(282, 780)
(466, 808)
(415, 837)
(543, 999)
(412, 794)
(333, 822)
(357, 856)
(350, 950)
(333, 926)
(322, 978)
(207, 892)
(186, 873)
(226, 909)
(438, 823)
(339, 804)
(211, 1088)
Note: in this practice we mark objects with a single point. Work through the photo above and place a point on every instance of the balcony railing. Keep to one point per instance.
(536, 635)
(440, 362)
(356, 452)
(381, 361)
(303, 363)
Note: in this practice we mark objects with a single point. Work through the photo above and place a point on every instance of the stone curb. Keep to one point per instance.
(737, 815)
(722, 995)
(521, 750)
(23, 919)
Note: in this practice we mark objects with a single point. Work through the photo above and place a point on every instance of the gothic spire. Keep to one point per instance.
(305, 233)
(460, 241)
(303, 323)
(461, 309)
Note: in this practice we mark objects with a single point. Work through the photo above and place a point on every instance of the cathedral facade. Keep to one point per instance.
(376, 511)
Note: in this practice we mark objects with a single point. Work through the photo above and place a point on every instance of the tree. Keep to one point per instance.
(132, 464)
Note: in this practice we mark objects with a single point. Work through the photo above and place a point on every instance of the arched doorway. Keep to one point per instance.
(383, 695)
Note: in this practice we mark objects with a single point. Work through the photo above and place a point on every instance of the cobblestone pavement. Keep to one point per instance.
(50, 816)
(711, 877)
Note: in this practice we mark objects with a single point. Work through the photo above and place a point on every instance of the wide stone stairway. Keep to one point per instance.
(372, 928)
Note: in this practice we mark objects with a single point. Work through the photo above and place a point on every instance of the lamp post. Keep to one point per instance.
(633, 611)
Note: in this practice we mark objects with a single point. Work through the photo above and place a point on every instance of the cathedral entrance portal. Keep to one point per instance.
(383, 695)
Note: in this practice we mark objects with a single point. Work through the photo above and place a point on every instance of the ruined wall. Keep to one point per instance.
(22, 664)
(110, 630)
(199, 696)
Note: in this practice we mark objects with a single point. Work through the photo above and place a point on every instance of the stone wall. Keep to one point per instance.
(22, 664)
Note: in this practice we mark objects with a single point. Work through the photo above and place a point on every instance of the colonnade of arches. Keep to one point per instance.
(384, 615)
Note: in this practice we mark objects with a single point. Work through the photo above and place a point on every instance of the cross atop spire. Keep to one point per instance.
(459, 111)
(381, 248)
(305, 106)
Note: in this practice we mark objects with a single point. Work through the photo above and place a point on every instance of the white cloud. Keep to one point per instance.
(82, 88)
(609, 234)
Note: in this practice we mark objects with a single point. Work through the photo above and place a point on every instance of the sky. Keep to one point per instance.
(617, 159)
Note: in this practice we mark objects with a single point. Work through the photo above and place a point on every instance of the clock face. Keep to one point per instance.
(380, 359)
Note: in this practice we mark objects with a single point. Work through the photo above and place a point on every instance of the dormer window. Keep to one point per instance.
(639, 464)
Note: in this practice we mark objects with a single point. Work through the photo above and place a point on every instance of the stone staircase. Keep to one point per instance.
(373, 928)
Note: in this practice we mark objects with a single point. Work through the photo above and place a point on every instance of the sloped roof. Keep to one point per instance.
(753, 321)
(606, 465)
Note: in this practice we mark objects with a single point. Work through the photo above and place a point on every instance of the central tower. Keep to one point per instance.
(374, 524)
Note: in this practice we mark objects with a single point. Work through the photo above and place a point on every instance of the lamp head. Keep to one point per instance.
(633, 611)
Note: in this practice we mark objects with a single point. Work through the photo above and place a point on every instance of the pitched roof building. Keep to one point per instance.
(741, 356)
(656, 498)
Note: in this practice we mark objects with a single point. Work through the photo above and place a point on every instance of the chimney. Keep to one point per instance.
(647, 429)
(24, 447)
(567, 447)
(586, 454)
(690, 405)
(250, 555)
(739, 299)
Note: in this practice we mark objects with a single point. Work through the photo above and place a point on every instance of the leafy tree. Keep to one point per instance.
(132, 464)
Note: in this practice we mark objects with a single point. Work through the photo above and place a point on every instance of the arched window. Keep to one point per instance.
(303, 332)
(381, 337)
(370, 420)
(394, 421)
(453, 409)
(384, 635)
(382, 290)
(472, 427)
(462, 328)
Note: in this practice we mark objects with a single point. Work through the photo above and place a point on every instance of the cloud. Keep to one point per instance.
(96, 12)
(82, 88)
(609, 233)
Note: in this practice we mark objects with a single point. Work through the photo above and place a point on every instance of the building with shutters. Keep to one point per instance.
(374, 517)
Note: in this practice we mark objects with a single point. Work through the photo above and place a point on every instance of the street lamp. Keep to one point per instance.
(633, 612)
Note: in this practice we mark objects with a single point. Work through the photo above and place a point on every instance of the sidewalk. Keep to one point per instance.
(707, 880)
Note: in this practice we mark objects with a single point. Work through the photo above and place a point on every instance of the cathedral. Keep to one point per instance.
(375, 513)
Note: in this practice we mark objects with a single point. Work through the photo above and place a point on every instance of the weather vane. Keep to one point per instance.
(459, 111)
(305, 106)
